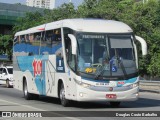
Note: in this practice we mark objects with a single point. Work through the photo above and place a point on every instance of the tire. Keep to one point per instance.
(35, 96)
(115, 104)
(7, 83)
(27, 95)
(64, 101)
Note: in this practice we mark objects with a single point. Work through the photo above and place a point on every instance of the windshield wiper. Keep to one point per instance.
(120, 62)
(105, 56)
(100, 72)
(123, 69)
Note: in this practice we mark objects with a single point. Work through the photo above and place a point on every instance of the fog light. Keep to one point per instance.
(137, 94)
(81, 94)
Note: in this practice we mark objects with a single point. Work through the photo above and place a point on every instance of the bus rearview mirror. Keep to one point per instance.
(143, 45)
(73, 43)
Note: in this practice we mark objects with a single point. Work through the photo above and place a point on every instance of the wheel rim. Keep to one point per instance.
(62, 94)
(25, 90)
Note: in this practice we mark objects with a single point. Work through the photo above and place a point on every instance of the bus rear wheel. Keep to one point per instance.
(64, 101)
(115, 104)
(27, 95)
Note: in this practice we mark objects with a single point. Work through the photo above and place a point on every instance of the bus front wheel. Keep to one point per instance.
(63, 100)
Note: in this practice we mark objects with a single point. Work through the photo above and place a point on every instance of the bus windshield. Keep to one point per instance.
(106, 56)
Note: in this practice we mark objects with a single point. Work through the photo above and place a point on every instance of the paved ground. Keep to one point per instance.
(12, 100)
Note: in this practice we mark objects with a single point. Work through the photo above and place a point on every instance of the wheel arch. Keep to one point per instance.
(23, 80)
(60, 81)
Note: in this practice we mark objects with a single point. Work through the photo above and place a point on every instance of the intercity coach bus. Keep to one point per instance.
(78, 59)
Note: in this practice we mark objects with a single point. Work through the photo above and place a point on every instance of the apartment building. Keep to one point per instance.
(48, 4)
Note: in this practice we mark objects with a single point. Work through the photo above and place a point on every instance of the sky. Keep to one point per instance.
(58, 2)
(75, 2)
(13, 1)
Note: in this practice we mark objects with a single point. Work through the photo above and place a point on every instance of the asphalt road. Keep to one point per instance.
(13, 100)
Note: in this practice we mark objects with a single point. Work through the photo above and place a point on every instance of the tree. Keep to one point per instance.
(30, 20)
(144, 19)
(6, 45)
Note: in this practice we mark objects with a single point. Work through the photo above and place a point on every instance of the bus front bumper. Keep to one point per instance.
(84, 94)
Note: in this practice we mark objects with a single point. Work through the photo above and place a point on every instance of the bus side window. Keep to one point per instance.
(27, 38)
(48, 38)
(19, 39)
(22, 38)
(56, 37)
(67, 41)
(33, 43)
(37, 38)
(57, 42)
(68, 49)
(31, 37)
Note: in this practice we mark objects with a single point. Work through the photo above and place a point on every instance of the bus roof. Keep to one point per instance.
(83, 25)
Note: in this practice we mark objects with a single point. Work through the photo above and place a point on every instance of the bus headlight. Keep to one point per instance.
(134, 85)
(85, 85)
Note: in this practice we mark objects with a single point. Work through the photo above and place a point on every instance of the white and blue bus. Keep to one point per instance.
(78, 59)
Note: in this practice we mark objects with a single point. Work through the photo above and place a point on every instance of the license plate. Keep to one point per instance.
(111, 96)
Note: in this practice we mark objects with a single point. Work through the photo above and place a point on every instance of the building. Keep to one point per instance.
(9, 14)
(48, 4)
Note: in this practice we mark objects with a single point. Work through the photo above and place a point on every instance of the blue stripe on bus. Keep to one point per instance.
(89, 79)
(27, 48)
(132, 80)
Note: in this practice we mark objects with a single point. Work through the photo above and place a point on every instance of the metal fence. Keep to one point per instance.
(150, 85)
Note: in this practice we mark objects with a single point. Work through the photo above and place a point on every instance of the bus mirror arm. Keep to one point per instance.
(143, 45)
(73, 43)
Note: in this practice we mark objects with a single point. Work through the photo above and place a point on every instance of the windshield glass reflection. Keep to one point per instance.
(102, 55)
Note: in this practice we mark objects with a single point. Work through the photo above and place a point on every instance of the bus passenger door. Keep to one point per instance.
(72, 64)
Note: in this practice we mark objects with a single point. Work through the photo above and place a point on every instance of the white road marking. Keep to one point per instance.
(71, 118)
(22, 105)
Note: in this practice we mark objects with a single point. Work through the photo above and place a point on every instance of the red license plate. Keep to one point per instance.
(111, 96)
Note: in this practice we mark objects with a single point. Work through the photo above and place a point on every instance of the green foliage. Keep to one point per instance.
(144, 19)
(154, 67)
(6, 43)
(106, 9)
(30, 20)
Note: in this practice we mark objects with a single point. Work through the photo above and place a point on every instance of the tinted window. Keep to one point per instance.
(10, 70)
(4, 71)
(1, 70)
